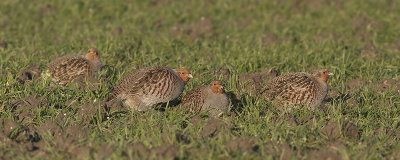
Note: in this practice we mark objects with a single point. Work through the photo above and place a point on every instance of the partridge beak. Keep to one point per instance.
(190, 76)
(331, 74)
(220, 87)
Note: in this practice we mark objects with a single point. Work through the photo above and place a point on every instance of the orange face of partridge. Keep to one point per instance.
(216, 87)
(184, 74)
(323, 74)
(93, 54)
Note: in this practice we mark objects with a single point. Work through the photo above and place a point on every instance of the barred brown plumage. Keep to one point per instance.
(69, 67)
(298, 88)
(145, 87)
(211, 98)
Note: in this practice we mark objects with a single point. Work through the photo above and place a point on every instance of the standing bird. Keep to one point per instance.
(298, 88)
(69, 67)
(146, 87)
(211, 98)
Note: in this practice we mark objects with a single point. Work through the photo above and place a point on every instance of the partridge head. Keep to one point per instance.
(323, 74)
(211, 98)
(184, 74)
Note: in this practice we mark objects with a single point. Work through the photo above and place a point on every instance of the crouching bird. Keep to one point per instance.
(211, 98)
(146, 87)
(66, 68)
(298, 88)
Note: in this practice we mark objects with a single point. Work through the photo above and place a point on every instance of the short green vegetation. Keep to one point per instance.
(358, 40)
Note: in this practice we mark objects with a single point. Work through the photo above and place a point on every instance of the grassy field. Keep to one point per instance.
(242, 43)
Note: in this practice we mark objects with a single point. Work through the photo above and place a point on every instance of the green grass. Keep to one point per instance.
(353, 39)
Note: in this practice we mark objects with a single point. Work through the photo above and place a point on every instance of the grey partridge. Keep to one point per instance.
(146, 87)
(298, 88)
(69, 67)
(211, 98)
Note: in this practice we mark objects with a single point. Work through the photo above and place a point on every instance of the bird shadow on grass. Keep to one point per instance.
(162, 107)
(237, 105)
(341, 98)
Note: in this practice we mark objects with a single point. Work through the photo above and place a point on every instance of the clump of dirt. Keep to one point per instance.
(91, 109)
(215, 126)
(387, 84)
(81, 152)
(8, 126)
(304, 120)
(201, 28)
(50, 127)
(254, 82)
(355, 83)
(77, 131)
(243, 144)
(336, 145)
(369, 50)
(4, 73)
(117, 31)
(196, 120)
(86, 83)
(270, 38)
(137, 150)
(168, 151)
(66, 145)
(31, 73)
(46, 9)
(26, 134)
(176, 134)
(104, 151)
(25, 117)
(290, 120)
(31, 102)
(3, 44)
(360, 24)
(115, 106)
(180, 137)
(350, 129)
(225, 73)
(387, 132)
(331, 130)
(384, 131)
(4, 138)
(279, 151)
(325, 154)
(61, 118)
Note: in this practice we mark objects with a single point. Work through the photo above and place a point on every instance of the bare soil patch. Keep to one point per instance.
(325, 154)
(254, 82)
(31, 73)
(245, 145)
(331, 130)
(51, 128)
(168, 151)
(355, 83)
(350, 129)
(224, 72)
(31, 102)
(137, 150)
(387, 84)
(215, 126)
